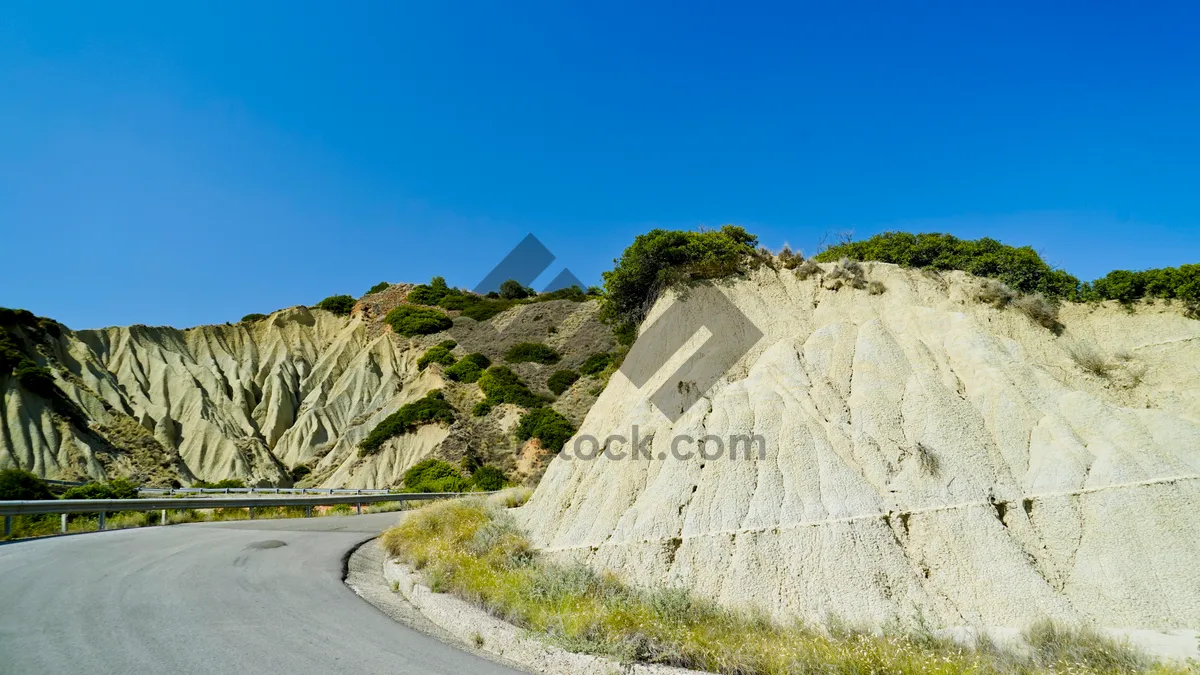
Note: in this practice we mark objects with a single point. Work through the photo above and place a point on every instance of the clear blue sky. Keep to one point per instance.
(185, 163)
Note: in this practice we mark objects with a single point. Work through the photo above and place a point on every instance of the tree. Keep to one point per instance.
(338, 304)
(513, 290)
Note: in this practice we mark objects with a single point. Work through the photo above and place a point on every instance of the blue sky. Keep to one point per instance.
(186, 163)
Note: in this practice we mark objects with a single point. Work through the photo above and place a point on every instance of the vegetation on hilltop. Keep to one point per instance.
(410, 321)
(338, 304)
(660, 259)
(381, 286)
(1020, 268)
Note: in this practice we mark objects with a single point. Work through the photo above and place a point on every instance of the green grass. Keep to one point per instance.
(472, 549)
(532, 352)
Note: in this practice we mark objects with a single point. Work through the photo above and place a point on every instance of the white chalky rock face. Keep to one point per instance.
(252, 400)
(926, 454)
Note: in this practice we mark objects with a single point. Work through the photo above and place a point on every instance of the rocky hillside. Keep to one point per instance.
(933, 448)
(258, 399)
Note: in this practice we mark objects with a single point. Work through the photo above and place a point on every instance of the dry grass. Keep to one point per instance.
(790, 259)
(1090, 359)
(995, 294)
(807, 269)
(876, 288)
(472, 549)
(1042, 311)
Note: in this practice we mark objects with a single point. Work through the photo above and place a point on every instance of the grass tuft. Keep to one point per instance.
(473, 550)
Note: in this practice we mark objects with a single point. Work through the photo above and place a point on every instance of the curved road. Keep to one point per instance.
(244, 597)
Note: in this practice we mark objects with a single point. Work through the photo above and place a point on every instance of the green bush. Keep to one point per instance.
(408, 321)
(338, 304)
(501, 385)
(119, 488)
(561, 380)
(660, 259)
(251, 318)
(488, 478)
(223, 484)
(469, 368)
(434, 475)
(436, 354)
(531, 352)
(513, 290)
(36, 379)
(1181, 283)
(546, 425)
(432, 408)
(572, 293)
(595, 364)
(1020, 268)
(381, 286)
(16, 484)
(299, 472)
(482, 408)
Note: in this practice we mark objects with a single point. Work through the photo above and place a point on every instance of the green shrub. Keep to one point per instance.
(501, 385)
(546, 425)
(251, 318)
(119, 488)
(434, 475)
(531, 352)
(572, 293)
(428, 410)
(488, 478)
(660, 259)
(436, 354)
(431, 293)
(16, 484)
(223, 484)
(299, 472)
(408, 321)
(1181, 282)
(469, 369)
(482, 408)
(561, 380)
(381, 286)
(513, 290)
(338, 304)
(1020, 268)
(595, 364)
(36, 379)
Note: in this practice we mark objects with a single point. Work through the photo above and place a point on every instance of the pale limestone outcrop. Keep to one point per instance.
(926, 454)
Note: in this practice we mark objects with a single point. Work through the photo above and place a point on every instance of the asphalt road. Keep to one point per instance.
(241, 597)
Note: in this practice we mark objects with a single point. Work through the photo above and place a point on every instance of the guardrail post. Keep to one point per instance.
(251, 513)
(163, 520)
(308, 512)
(101, 520)
(359, 505)
(8, 526)
(63, 529)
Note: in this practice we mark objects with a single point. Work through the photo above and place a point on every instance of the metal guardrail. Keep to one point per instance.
(8, 509)
(261, 491)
